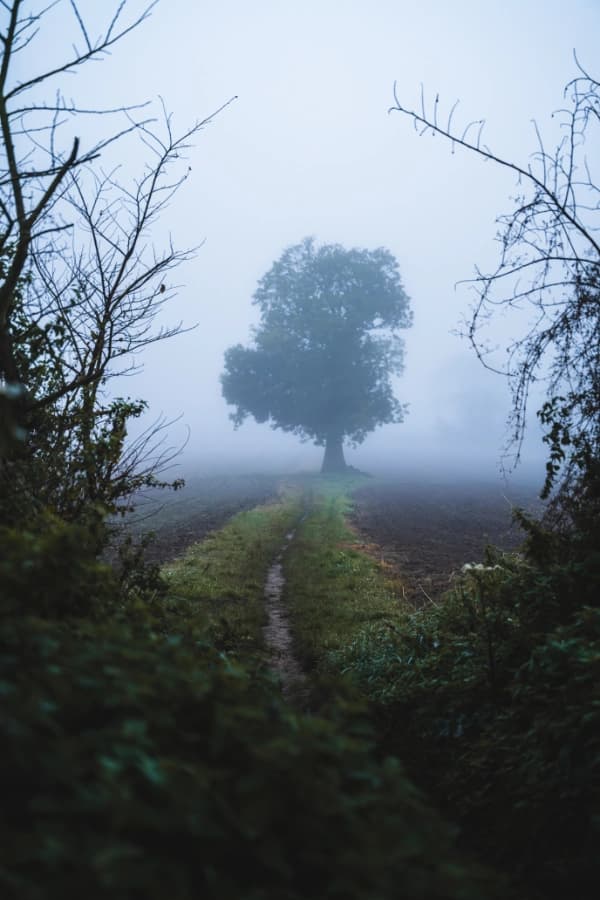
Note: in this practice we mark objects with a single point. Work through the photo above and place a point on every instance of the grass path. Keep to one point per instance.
(333, 588)
(289, 589)
(220, 581)
(286, 583)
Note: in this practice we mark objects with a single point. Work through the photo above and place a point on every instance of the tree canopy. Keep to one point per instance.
(326, 347)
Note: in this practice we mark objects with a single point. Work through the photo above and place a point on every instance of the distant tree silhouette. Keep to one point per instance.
(325, 349)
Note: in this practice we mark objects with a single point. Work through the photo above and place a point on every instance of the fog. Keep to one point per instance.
(309, 148)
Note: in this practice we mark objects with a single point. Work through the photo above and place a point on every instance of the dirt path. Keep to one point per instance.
(278, 635)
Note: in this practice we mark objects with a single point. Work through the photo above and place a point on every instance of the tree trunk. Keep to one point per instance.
(334, 461)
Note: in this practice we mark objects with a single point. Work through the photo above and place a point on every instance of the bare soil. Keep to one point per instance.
(177, 520)
(278, 635)
(427, 532)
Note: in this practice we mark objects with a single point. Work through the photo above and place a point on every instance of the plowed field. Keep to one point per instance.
(427, 532)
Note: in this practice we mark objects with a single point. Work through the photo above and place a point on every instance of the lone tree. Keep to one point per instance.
(325, 348)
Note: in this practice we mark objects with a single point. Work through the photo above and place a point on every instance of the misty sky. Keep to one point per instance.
(308, 148)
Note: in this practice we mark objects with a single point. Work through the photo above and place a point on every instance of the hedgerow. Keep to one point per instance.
(144, 765)
(492, 698)
(141, 758)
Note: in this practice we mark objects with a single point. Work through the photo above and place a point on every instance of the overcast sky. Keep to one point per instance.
(309, 148)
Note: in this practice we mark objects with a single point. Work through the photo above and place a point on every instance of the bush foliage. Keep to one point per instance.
(143, 765)
(492, 697)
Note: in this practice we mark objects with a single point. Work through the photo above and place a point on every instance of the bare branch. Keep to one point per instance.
(549, 261)
(78, 60)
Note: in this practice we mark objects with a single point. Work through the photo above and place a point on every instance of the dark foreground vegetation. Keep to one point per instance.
(490, 694)
(146, 748)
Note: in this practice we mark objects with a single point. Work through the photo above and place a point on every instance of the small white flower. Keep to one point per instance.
(478, 567)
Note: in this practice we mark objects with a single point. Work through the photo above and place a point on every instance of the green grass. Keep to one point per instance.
(333, 588)
(219, 583)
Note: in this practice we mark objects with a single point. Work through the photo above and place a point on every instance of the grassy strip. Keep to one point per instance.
(218, 584)
(333, 589)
